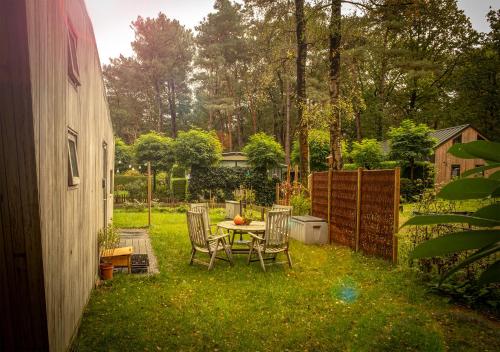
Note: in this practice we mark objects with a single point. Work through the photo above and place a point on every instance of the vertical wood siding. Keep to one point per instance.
(444, 161)
(22, 302)
(70, 217)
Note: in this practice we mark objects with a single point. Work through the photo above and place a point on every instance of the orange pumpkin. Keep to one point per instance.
(238, 220)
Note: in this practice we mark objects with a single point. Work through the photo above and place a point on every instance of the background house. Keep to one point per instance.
(234, 159)
(446, 165)
(56, 157)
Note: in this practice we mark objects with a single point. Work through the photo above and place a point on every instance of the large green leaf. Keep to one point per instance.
(477, 150)
(490, 275)
(495, 175)
(450, 219)
(481, 169)
(456, 242)
(469, 188)
(460, 151)
(483, 252)
(491, 212)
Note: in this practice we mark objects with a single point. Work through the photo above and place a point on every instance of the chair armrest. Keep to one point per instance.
(214, 238)
(256, 237)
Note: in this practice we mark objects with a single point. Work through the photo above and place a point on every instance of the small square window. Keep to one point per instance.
(73, 170)
(455, 171)
(73, 70)
(457, 139)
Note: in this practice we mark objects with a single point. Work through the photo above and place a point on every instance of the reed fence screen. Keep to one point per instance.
(361, 207)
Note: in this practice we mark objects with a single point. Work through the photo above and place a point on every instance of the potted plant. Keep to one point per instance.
(108, 239)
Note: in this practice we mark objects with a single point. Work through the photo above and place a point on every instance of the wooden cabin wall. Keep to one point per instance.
(22, 301)
(444, 161)
(70, 216)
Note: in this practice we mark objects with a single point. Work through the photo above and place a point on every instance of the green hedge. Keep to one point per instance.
(220, 182)
(124, 180)
(178, 172)
(179, 186)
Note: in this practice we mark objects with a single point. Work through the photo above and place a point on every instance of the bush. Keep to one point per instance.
(319, 149)
(389, 164)
(178, 172)
(123, 180)
(367, 154)
(221, 182)
(350, 167)
(197, 149)
(179, 186)
(263, 152)
(301, 204)
(137, 189)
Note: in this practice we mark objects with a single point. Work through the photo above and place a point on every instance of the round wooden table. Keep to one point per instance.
(254, 227)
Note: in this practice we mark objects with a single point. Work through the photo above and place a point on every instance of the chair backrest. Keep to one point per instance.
(282, 207)
(197, 228)
(202, 208)
(277, 229)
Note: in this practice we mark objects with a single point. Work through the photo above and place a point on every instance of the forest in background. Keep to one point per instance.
(285, 67)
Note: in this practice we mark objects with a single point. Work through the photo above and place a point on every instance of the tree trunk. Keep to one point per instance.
(229, 135)
(357, 119)
(301, 89)
(287, 126)
(158, 101)
(173, 110)
(334, 73)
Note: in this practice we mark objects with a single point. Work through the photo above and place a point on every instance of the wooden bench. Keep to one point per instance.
(119, 257)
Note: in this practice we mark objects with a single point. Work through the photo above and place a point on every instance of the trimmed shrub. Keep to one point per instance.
(179, 186)
(178, 172)
(220, 182)
(350, 167)
(389, 164)
(123, 180)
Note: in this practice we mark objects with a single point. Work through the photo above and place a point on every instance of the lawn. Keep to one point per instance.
(331, 300)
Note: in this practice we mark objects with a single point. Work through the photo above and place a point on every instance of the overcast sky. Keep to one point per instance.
(111, 18)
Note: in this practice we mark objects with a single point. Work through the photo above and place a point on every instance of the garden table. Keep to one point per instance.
(254, 227)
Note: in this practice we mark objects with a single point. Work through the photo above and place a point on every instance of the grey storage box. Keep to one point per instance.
(233, 208)
(309, 229)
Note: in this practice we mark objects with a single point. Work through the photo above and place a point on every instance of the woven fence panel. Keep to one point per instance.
(377, 213)
(320, 195)
(343, 207)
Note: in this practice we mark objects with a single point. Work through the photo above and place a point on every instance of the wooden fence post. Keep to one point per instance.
(330, 174)
(397, 175)
(358, 206)
(149, 194)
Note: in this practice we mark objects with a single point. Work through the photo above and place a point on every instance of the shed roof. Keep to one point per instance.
(441, 136)
(234, 156)
(446, 133)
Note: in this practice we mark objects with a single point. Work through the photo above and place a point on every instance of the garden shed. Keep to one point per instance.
(56, 157)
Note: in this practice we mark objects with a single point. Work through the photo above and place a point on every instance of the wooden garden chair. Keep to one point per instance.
(203, 241)
(275, 239)
(289, 208)
(204, 208)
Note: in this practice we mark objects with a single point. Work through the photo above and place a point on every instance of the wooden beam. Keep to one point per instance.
(397, 177)
(358, 206)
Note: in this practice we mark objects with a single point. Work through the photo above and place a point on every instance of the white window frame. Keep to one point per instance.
(73, 180)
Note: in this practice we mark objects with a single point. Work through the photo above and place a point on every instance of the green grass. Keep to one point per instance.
(331, 300)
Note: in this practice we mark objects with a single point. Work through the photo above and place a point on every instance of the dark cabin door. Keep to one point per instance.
(105, 183)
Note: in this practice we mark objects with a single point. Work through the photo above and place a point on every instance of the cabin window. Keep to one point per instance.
(457, 139)
(73, 170)
(73, 70)
(455, 171)
(479, 137)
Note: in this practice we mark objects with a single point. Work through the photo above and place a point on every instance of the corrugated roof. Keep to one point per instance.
(447, 133)
(440, 135)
